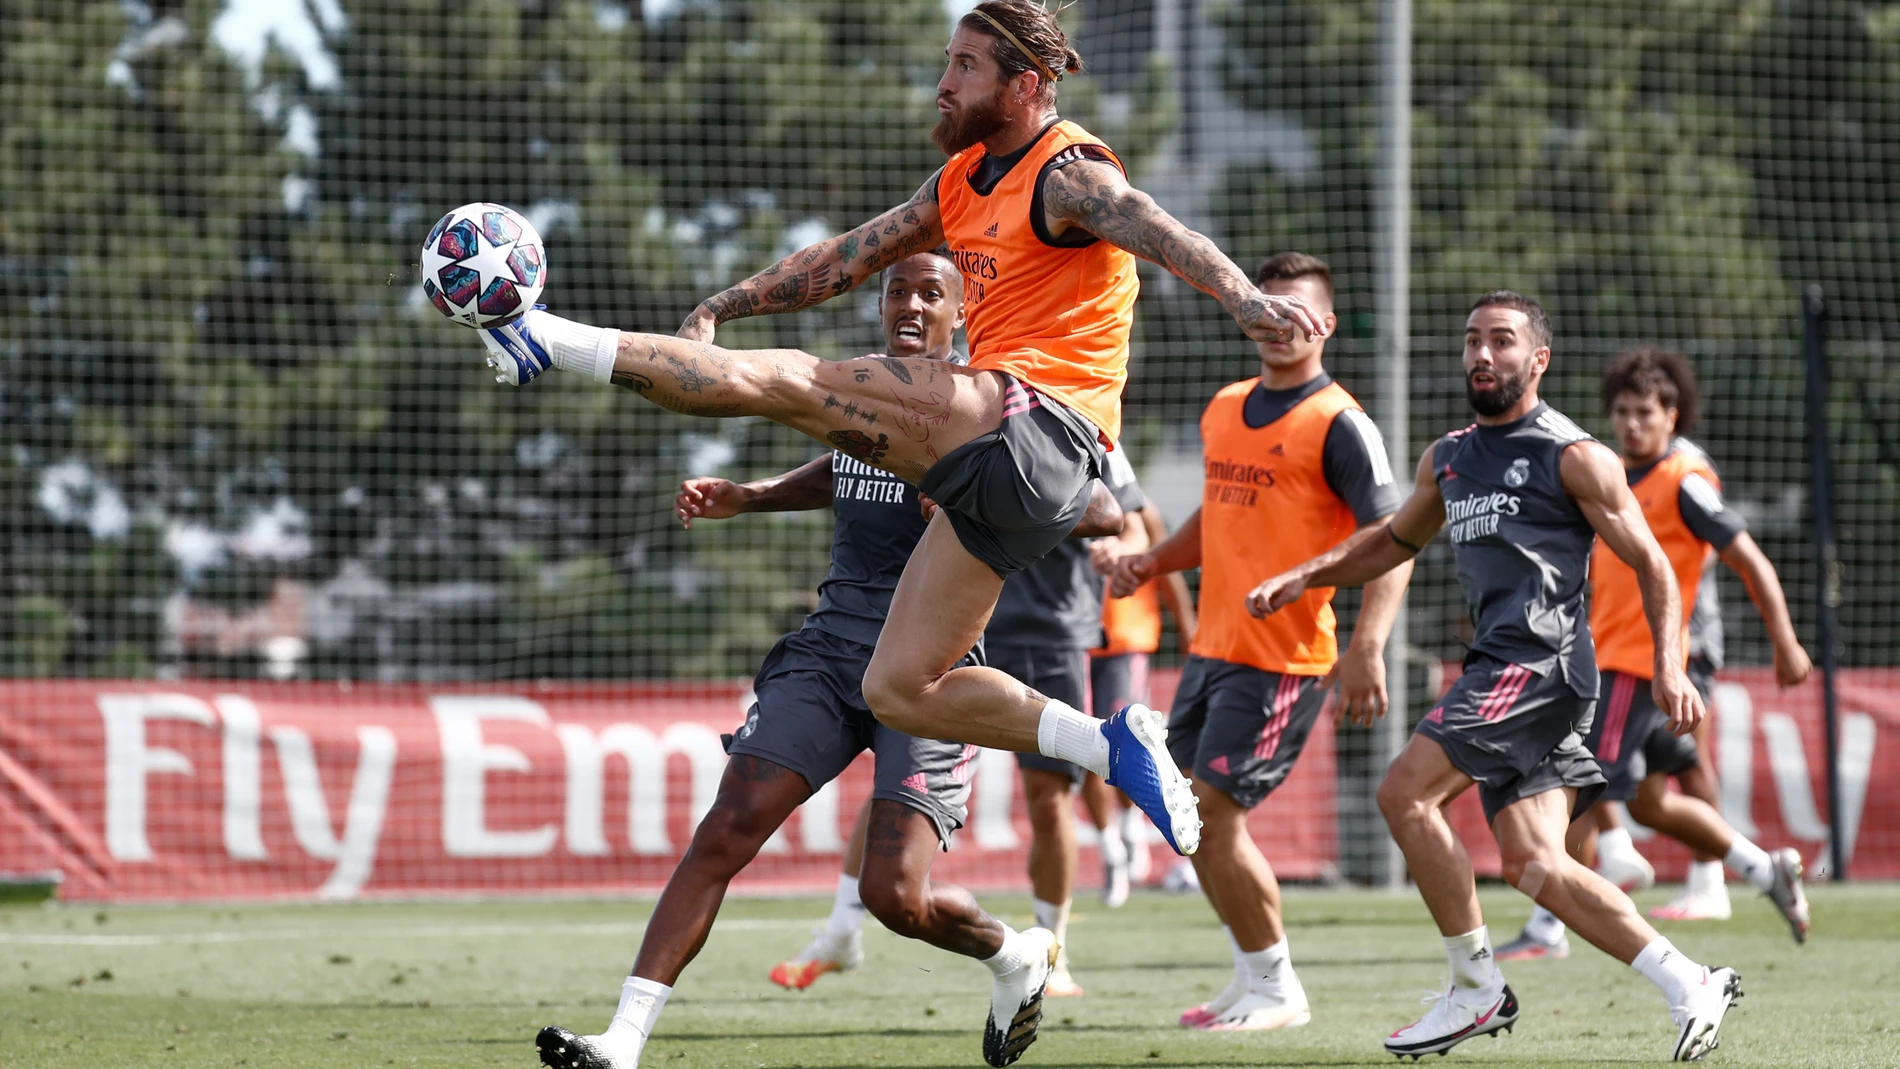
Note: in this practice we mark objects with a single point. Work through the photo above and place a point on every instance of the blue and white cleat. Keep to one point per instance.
(514, 352)
(1139, 764)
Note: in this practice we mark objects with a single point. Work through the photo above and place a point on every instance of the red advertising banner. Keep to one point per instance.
(144, 791)
(1770, 752)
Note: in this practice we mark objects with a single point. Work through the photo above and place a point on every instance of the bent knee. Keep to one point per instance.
(898, 905)
(895, 697)
(1398, 803)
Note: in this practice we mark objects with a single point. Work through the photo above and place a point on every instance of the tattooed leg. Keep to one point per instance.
(899, 846)
(755, 797)
(898, 415)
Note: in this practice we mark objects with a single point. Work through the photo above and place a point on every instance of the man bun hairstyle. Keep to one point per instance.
(1648, 371)
(1024, 36)
(1288, 266)
(1540, 320)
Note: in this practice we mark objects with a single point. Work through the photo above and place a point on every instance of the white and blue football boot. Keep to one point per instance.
(514, 352)
(1139, 764)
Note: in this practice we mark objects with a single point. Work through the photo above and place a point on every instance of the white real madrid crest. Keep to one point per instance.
(1518, 473)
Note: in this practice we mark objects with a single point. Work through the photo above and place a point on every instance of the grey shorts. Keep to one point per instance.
(1517, 733)
(1014, 494)
(1117, 680)
(1055, 672)
(1631, 738)
(1702, 677)
(1240, 728)
(810, 717)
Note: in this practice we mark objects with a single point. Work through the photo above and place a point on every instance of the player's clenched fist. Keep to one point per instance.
(708, 499)
(1130, 572)
(1275, 594)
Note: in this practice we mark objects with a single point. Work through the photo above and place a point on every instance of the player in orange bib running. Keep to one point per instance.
(1651, 397)
(1045, 229)
(1293, 467)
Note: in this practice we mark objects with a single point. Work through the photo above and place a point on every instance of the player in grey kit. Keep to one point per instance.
(811, 721)
(1046, 620)
(1522, 491)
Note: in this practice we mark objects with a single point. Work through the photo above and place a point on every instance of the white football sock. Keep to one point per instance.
(1751, 863)
(1472, 965)
(1114, 850)
(1241, 972)
(1068, 734)
(847, 911)
(640, 1004)
(1705, 878)
(577, 346)
(1668, 968)
(1269, 971)
(1009, 957)
(1544, 926)
(1616, 841)
(1051, 916)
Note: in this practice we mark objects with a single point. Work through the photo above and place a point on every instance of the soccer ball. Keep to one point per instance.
(483, 265)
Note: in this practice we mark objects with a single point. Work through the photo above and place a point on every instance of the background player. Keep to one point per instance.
(1649, 394)
(1048, 617)
(1118, 676)
(810, 721)
(1293, 467)
(1522, 490)
(1045, 229)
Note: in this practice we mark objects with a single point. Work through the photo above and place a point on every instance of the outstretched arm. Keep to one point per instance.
(825, 270)
(803, 489)
(1595, 479)
(1366, 554)
(1095, 196)
(1176, 553)
(1764, 586)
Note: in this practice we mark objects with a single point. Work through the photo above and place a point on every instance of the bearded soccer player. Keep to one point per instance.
(810, 722)
(1650, 395)
(1293, 468)
(1046, 231)
(1524, 493)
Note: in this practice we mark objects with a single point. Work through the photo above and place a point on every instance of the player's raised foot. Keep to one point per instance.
(1139, 764)
(562, 1049)
(1628, 870)
(1257, 1011)
(1787, 893)
(1016, 999)
(1527, 947)
(515, 353)
(1061, 984)
(826, 953)
(1695, 905)
(1699, 1014)
(1455, 1016)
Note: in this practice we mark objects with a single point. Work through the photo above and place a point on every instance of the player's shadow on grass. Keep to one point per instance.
(951, 1027)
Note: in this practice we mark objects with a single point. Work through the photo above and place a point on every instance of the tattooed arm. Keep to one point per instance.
(1104, 516)
(832, 267)
(1094, 196)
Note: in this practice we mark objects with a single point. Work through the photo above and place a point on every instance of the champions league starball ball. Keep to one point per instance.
(483, 265)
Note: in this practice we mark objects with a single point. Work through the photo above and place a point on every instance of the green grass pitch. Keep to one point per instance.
(466, 985)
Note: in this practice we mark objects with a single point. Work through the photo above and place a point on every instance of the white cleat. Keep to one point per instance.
(515, 353)
(1628, 870)
(826, 953)
(1197, 1016)
(1699, 1015)
(562, 1049)
(1016, 999)
(1789, 897)
(1258, 1011)
(1182, 879)
(1690, 905)
(1456, 1015)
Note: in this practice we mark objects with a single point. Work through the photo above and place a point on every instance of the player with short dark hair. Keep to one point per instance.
(1524, 494)
(1292, 467)
(1046, 230)
(810, 721)
(1648, 395)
